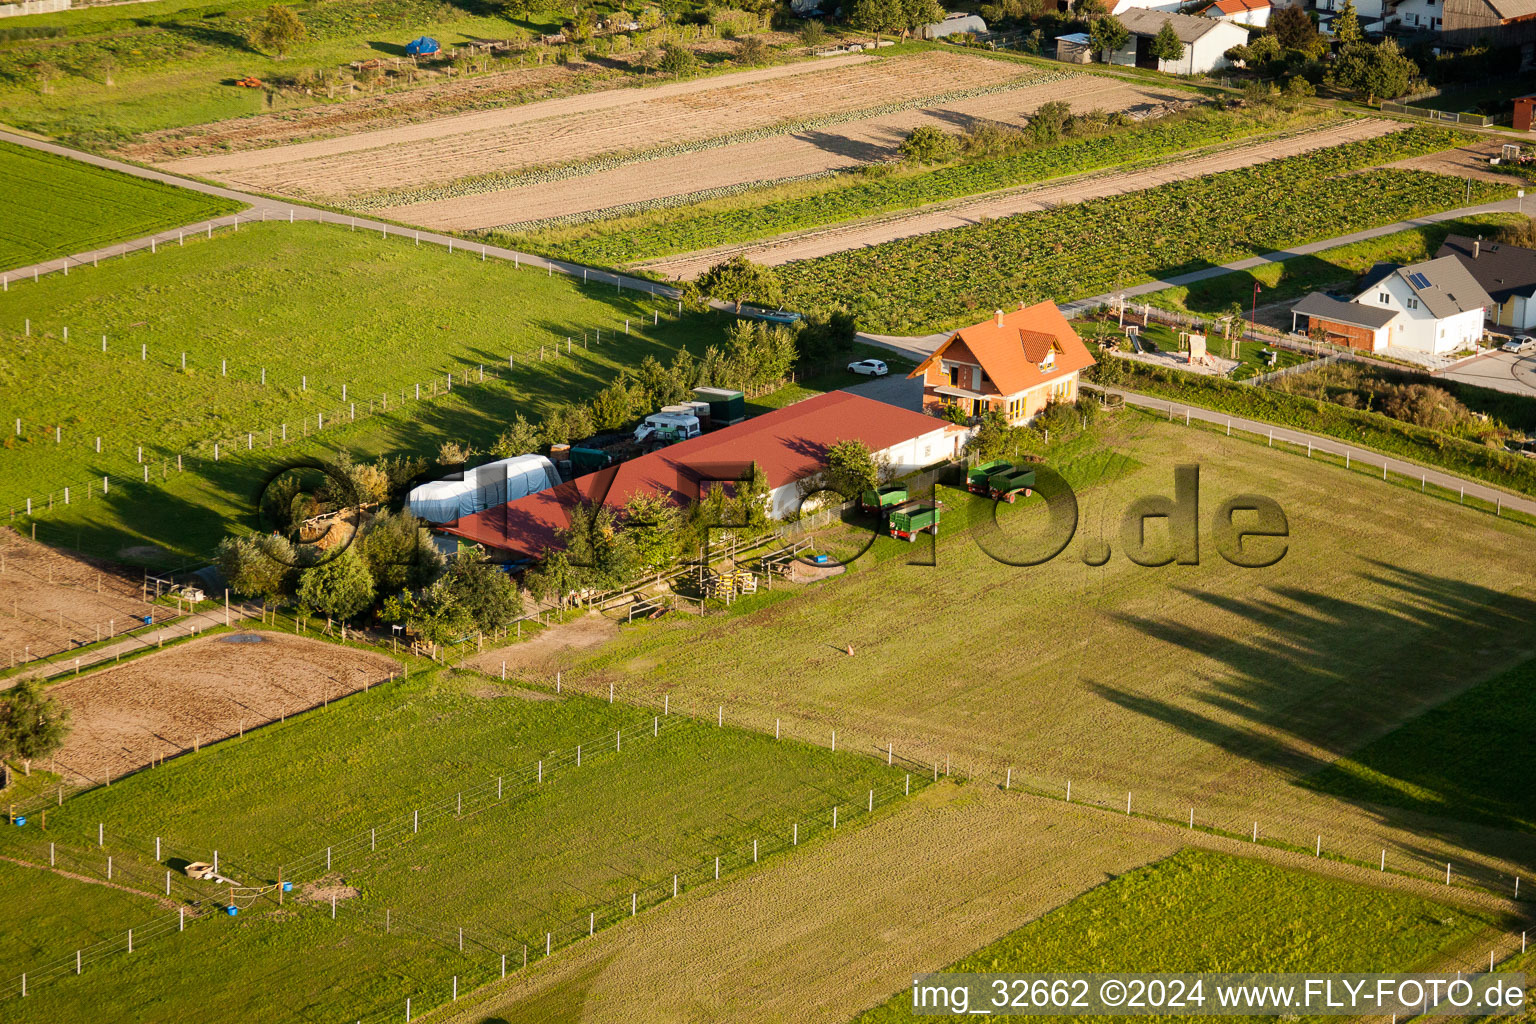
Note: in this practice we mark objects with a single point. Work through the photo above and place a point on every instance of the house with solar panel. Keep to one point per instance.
(1434, 308)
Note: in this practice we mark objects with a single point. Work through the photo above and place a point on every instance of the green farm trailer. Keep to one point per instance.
(884, 499)
(976, 476)
(912, 518)
(1009, 482)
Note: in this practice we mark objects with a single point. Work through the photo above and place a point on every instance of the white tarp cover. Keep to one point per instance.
(495, 483)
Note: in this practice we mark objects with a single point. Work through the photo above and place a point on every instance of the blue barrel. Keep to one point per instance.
(287, 887)
(149, 620)
(231, 910)
(20, 822)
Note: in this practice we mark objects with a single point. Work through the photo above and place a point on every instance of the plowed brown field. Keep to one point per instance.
(801, 153)
(584, 127)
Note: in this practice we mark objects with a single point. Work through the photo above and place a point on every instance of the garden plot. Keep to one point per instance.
(52, 600)
(825, 241)
(799, 154)
(198, 692)
(432, 160)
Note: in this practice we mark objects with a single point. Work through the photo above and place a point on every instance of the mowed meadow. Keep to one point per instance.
(281, 324)
(1204, 686)
(523, 855)
(54, 206)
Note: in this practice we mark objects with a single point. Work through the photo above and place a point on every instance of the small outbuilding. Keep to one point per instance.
(1243, 12)
(1075, 48)
(1205, 41)
(422, 46)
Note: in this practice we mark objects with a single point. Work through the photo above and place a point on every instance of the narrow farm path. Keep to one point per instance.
(802, 245)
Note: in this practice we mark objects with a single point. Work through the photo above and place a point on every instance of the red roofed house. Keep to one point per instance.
(790, 444)
(1017, 363)
(1243, 12)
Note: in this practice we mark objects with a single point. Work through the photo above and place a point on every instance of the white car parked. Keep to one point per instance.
(1521, 345)
(869, 367)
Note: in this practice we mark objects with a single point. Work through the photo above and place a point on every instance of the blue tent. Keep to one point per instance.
(422, 47)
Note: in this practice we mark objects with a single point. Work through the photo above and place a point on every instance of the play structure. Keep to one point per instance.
(1194, 344)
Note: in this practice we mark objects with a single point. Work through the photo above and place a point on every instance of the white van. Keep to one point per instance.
(667, 427)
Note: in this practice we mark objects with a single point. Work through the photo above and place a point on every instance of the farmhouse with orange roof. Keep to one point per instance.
(1016, 363)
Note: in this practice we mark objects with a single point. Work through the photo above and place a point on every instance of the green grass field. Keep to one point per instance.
(939, 280)
(1200, 911)
(70, 207)
(1230, 684)
(369, 314)
(505, 871)
(1331, 268)
(1449, 762)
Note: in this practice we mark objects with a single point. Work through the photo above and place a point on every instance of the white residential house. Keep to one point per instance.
(1205, 40)
(1241, 12)
(1440, 305)
(1412, 14)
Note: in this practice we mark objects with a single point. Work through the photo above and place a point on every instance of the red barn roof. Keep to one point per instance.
(1230, 7)
(789, 444)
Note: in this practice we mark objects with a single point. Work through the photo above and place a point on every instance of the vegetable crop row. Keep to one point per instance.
(925, 283)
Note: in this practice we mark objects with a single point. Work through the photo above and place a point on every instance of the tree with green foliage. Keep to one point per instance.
(483, 591)
(567, 422)
(615, 405)
(916, 14)
(738, 280)
(825, 333)
(927, 144)
(1373, 71)
(1049, 121)
(876, 16)
(1166, 45)
(1293, 27)
(813, 33)
(256, 566)
(554, 579)
(678, 61)
(652, 523)
(435, 616)
(520, 438)
(278, 29)
(32, 723)
(852, 468)
(340, 588)
(1346, 26)
(600, 553)
(399, 552)
(754, 501)
(1108, 35)
(993, 439)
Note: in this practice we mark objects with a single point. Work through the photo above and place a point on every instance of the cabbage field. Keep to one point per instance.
(921, 284)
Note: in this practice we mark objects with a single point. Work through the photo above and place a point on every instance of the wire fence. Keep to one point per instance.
(338, 402)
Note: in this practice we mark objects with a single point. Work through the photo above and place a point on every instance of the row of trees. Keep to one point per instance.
(893, 17)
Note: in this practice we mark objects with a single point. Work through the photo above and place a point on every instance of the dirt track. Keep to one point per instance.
(201, 691)
(541, 655)
(803, 153)
(50, 601)
(961, 213)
